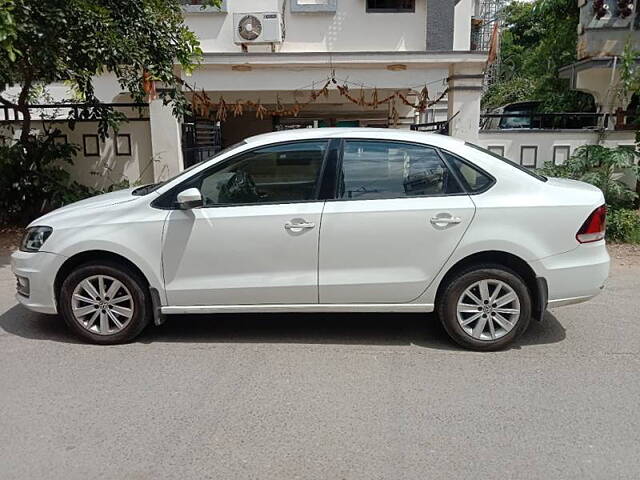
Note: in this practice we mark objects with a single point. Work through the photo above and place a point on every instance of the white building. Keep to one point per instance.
(375, 47)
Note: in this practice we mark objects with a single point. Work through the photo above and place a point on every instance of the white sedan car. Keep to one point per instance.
(324, 220)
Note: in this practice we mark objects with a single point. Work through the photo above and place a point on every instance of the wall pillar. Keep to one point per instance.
(166, 141)
(465, 93)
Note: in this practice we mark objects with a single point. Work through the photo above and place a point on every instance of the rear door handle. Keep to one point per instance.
(445, 220)
(298, 226)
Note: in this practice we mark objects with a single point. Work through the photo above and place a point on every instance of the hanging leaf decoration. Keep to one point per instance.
(202, 105)
(261, 111)
(238, 108)
(222, 110)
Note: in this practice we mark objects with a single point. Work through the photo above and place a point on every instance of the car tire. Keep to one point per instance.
(88, 310)
(470, 294)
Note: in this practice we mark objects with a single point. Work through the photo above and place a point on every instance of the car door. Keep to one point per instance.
(398, 215)
(255, 239)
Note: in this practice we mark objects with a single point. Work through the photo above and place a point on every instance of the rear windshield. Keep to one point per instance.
(506, 160)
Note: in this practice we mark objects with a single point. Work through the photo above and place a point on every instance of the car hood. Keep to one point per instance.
(87, 205)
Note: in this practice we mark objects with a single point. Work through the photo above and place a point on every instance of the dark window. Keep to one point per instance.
(472, 178)
(280, 173)
(375, 169)
(391, 6)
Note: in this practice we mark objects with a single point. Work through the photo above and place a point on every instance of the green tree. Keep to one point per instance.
(537, 39)
(75, 40)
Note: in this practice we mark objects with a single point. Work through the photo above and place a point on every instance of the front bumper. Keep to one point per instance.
(575, 276)
(40, 269)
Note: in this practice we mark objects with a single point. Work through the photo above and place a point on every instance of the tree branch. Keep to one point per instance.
(7, 103)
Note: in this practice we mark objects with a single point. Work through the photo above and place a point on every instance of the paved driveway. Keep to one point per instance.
(324, 397)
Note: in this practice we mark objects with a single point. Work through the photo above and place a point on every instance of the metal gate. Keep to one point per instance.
(201, 139)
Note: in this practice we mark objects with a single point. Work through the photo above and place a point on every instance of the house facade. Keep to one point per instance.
(280, 64)
(265, 66)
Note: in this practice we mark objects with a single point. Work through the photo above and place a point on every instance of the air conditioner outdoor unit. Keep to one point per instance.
(257, 28)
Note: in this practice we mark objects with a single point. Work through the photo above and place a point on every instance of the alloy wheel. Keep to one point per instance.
(488, 309)
(102, 304)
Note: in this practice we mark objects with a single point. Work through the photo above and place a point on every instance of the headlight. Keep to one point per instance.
(34, 238)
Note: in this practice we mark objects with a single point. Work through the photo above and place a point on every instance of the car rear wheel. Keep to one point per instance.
(105, 303)
(485, 307)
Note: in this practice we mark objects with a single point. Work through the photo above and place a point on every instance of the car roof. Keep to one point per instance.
(351, 132)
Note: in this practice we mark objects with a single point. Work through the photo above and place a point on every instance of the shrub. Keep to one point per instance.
(33, 179)
(623, 225)
(600, 166)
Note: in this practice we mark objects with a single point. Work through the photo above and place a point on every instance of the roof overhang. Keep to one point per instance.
(362, 59)
(570, 71)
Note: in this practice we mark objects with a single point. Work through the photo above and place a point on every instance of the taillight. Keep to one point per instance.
(594, 227)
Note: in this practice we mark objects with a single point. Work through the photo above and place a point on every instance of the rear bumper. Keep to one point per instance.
(40, 269)
(575, 276)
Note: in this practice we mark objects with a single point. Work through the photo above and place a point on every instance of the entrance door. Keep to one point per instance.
(398, 216)
(255, 240)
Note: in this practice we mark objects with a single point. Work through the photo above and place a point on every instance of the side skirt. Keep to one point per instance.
(313, 307)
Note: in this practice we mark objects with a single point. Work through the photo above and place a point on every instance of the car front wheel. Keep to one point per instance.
(485, 307)
(105, 303)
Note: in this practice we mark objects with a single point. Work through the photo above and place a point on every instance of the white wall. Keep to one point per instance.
(512, 141)
(106, 87)
(350, 28)
(108, 168)
(462, 24)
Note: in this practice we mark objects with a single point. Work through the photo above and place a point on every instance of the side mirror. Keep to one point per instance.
(189, 198)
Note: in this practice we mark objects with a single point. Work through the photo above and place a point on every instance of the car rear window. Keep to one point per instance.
(473, 179)
(506, 160)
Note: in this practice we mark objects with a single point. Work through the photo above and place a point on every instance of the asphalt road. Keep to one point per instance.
(324, 397)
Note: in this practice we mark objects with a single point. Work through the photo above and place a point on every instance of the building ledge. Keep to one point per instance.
(342, 58)
(569, 71)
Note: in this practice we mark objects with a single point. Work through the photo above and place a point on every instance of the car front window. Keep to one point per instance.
(278, 173)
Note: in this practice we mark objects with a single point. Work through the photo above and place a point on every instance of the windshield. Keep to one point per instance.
(146, 189)
(506, 160)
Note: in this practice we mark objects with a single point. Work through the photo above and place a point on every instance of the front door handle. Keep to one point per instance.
(298, 225)
(445, 220)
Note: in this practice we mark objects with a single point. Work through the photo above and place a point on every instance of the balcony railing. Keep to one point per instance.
(626, 120)
(544, 121)
(61, 112)
(434, 127)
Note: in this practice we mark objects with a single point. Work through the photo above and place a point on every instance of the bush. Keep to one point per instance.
(33, 180)
(623, 225)
(600, 166)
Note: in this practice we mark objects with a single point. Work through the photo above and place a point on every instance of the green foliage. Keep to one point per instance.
(537, 39)
(629, 83)
(600, 166)
(7, 29)
(623, 225)
(33, 179)
(74, 40)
